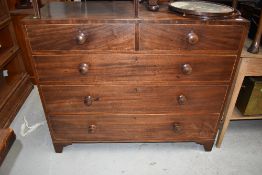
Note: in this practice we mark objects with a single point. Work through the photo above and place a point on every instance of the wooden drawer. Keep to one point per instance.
(101, 68)
(99, 37)
(129, 128)
(190, 37)
(4, 14)
(133, 99)
(6, 39)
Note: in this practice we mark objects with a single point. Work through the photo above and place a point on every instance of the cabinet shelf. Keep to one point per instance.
(8, 56)
(15, 84)
(238, 116)
(7, 89)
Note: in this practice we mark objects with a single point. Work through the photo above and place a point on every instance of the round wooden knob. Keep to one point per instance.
(186, 69)
(91, 129)
(181, 99)
(177, 127)
(1, 46)
(88, 100)
(81, 38)
(192, 38)
(83, 68)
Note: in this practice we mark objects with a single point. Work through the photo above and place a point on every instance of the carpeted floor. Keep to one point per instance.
(241, 153)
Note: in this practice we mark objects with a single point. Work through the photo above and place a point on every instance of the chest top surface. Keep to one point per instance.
(115, 11)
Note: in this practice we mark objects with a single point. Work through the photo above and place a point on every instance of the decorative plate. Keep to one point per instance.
(203, 9)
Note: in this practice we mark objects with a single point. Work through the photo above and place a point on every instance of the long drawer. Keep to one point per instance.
(133, 99)
(132, 127)
(82, 37)
(102, 68)
(190, 37)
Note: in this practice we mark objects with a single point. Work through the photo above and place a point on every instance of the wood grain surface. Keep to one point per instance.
(6, 39)
(14, 83)
(175, 37)
(155, 77)
(4, 14)
(99, 37)
(127, 128)
(135, 68)
(7, 138)
(133, 99)
(15, 101)
(20, 37)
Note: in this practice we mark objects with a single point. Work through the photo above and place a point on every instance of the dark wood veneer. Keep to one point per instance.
(7, 138)
(98, 37)
(104, 68)
(128, 128)
(14, 82)
(132, 76)
(4, 14)
(16, 100)
(16, 20)
(133, 99)
(175, 37)
(6, 40)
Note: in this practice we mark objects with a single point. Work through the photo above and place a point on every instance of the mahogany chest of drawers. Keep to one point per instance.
(105, 75)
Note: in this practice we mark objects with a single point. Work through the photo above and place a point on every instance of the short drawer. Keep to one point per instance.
(82, 37)
(190, 37)
(6, 39)
(101, 68)
(133, 99)
(126, 128)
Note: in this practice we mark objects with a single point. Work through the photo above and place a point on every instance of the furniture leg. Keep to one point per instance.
(254, 47)
(36, 9)
(234, 4)
(207, 144)
(60, 146)
(231, 105)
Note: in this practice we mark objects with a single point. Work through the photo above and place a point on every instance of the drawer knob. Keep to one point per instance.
(81, 38)
(83, 68)
(1, 46)
(181, 99)
(88, 100)
(177, 127)
(91, 129)
(192, 38)
(186, 69)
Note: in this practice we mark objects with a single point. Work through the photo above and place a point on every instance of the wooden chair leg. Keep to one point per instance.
(234, 4)
(36, 8)
(254, 47)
